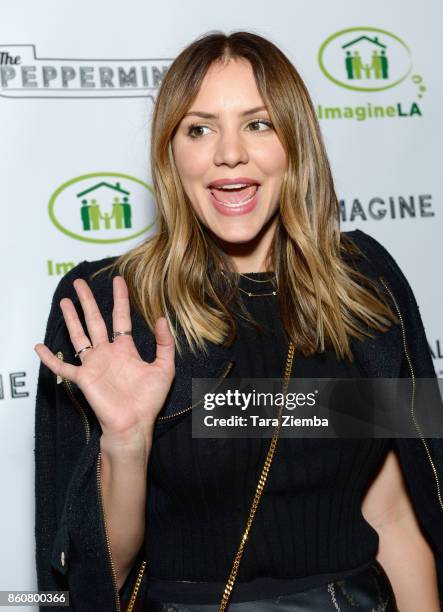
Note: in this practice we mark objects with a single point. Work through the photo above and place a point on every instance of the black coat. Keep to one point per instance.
(71, 546)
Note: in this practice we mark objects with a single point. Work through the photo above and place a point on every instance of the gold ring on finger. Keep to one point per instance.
(85, 348)
(120, 333)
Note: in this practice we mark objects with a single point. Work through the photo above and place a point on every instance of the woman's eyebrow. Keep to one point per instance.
(250, 111)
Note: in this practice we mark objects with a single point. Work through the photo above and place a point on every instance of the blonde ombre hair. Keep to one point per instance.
(178, 273)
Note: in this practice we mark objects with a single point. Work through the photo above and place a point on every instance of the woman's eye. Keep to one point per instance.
(194, 131)
(259, 125)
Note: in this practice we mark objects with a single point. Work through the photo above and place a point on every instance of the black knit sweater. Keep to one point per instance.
(308, 529)
(71, 548)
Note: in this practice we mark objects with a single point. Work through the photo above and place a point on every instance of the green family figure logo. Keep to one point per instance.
(92, 216)
(378, 68)
(103, 207)
(367, 60)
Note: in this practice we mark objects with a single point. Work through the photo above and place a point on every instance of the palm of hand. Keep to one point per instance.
(124, 389)
(125, 392)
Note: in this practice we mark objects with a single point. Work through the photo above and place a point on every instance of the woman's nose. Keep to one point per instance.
(230, 150)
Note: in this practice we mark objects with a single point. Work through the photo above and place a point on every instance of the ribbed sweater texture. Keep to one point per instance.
(308, 527)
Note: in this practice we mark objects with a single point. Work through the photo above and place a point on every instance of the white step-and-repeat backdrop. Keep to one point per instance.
(77, 85)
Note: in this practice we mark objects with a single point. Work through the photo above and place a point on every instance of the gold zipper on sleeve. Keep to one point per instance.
(417, 426)
(68, 386)
(141, 570)
(108, 545)
(176, 414)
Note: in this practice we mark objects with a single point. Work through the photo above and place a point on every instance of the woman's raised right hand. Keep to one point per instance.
(125, 392)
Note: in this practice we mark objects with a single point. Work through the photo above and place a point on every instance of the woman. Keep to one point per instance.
(248, 275)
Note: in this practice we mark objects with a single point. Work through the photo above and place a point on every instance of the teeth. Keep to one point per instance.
(233, 186)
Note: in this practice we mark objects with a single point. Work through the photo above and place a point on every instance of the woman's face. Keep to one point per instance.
(231, 162)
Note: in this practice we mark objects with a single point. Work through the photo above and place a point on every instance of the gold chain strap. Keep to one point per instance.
(258, 492)
(138, 582)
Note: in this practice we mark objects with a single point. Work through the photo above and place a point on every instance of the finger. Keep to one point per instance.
(76, 332)
(58, 367)
(94, 321)
(121, 317)
(165, 352)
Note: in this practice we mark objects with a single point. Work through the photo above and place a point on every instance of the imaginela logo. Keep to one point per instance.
(103, 207)
(369, 60)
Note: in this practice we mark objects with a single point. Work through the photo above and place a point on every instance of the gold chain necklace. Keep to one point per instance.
(259, 490)
(254, 280)
(257, 294)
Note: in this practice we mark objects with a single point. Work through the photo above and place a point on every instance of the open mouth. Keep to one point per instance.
(236, 194)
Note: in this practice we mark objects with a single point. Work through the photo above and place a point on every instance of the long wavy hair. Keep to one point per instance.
(180, 272)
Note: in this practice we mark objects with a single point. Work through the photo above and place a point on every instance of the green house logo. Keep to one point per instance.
(365, 59)
(103, 207)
